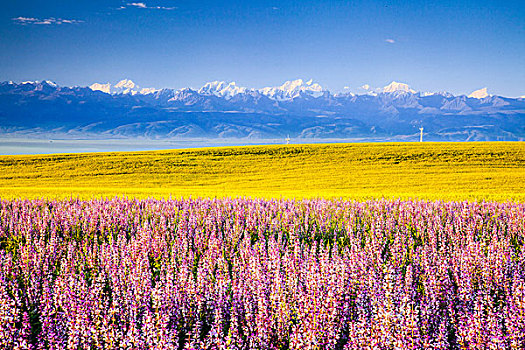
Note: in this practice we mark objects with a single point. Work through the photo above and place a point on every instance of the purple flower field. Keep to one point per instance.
(261, 274)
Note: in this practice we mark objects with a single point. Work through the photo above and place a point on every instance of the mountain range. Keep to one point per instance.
(298, 109)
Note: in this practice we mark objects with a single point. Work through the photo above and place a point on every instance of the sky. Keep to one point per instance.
(456, 46)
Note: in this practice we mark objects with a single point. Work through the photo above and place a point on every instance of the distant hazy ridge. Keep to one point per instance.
(301, 110)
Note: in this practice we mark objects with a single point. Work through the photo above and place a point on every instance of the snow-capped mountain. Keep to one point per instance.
(439, 93)
(222, 89)
(479, 94)
(223, 109)
(43, 82)
(292, 89)
(395, 87)
(124, 86)
(101, 87)
(287, 91)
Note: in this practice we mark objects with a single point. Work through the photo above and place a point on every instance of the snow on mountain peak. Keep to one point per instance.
(293, 88)
(440, 93)
(481, 93)
(395, 86)
(50, 83)
(146, 91)
(299, 84)
(101, 87)
(126, 84)
(39, 84)
(222, 89)
(292, 85)
(287, 91)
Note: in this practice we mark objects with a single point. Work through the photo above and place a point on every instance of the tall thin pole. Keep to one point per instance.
(421, 135)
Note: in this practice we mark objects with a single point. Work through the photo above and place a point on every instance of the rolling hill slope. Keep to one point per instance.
(448, 171)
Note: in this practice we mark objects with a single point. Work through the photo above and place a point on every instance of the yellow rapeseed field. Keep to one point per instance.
(492, 171)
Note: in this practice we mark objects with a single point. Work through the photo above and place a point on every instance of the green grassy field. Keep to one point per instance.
(448, 171)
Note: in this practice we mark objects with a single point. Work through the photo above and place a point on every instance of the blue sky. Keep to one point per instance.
(457, 46)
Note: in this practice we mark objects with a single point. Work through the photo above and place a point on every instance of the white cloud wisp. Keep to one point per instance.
(141, 5)
(45, 21)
